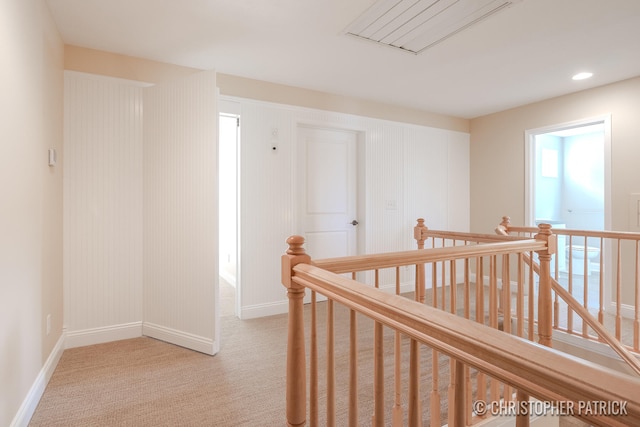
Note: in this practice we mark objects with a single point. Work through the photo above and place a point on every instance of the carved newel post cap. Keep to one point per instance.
(420, 222)
(544, 228)
(295, 245)
(506, 220)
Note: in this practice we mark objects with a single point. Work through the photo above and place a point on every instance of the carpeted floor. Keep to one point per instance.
(145, 382)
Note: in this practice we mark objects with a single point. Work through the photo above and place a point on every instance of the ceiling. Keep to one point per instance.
(525, 53)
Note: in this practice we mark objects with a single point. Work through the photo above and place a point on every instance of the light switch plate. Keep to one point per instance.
(52, 156)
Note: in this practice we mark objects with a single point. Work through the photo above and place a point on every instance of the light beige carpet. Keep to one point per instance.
(145, 382)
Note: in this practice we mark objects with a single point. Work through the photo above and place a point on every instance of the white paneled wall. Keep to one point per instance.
(118, 183)
(140, 210)
(181, 212)
(102, 209)
(408, 172)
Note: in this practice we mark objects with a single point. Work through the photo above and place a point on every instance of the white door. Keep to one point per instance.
(327, 191)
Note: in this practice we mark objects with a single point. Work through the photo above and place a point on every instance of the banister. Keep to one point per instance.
(609, 234)
(413, 257)
(583, 313)
(470, 237)
(542, 372)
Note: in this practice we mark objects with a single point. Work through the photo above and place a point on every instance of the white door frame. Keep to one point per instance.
(226, 106)
(529, 138)
(530, 158)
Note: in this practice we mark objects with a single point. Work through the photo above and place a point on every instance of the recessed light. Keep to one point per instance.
(582, 76)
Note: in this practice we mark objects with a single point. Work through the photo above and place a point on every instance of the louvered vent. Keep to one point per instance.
(416, 25)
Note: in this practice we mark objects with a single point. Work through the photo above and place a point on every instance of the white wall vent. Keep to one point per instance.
(416, 25)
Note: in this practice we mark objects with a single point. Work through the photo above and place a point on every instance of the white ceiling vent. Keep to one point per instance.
(416, 25)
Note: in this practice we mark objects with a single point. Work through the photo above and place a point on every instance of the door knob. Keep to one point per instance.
(354, 222)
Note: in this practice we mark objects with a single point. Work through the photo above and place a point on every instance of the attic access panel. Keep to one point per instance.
(416, 25)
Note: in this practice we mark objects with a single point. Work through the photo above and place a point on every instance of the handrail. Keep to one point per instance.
(574, 305)
(418, 256)
(626, 235)
(469, 237)
(542, 372)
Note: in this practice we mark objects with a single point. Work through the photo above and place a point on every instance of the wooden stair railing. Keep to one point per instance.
(530, 368)
(587, 318)
(619, 267)
(574, 305)
(495, 311)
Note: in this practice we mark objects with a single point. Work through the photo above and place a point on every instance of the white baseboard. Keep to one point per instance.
(262, 310)
(281, 307)
(104, 334)
(36, 391)
(626, 310)
(183, 339)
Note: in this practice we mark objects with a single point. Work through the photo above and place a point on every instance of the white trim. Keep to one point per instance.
(28, 407)
(592, 351)
(101, 77)
(626, 310)
(103, 334)
(261, 310)
(529, 136)
(183, 339)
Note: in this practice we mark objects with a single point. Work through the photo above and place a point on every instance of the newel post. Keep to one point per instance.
(420, 233)
(545, 302)
(296, 368)
(504, 225)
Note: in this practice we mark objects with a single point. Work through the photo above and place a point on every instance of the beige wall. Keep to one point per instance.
(498, 157)
(31, 215)
(109, 64)
(498, 151)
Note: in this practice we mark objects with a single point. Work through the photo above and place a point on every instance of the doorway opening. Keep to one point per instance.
(228, 250)
(568, 183)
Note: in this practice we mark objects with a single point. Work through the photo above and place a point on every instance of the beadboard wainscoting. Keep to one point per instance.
(140, 216)
(140, 211)
(405, 172)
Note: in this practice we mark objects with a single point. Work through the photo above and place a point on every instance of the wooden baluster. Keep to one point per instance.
(467, 290)
(493, 293)
(468, 392)
(331, 366)
(544, 291)
(296, 393)
(397, 403)
(531, 314)
(585, 288)
(353, 369)
(313, 364)
(570, 286)
(520, 298)
(453, 300)
(619, 292)
(601, 282)
(415, 408)
(468, 396)
(378, 369)
(522, 419)
(435, 392)
(457, 404)
(480, 378)
(443, 305)
(453, 305)
(434, 284)
(493, 316)
(506, 316)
